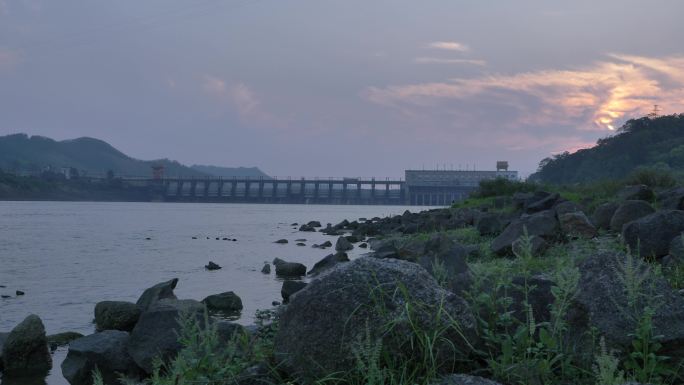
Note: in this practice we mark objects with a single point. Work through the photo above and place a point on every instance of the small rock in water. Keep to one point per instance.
(301, 244)
(218, 239)
(226, 239)
(300, 240)
(19, 292)
(208, 238)
(148, 239)
(212, 266)
(295, 224)
(4, 296)
(234, 240)
(3, 286)
(275, 303)
(194, 237)
(363, 245)
(281, 241)
(266, 269)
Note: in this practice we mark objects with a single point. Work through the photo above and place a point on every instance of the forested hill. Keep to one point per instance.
(20, 153)
(643, 142)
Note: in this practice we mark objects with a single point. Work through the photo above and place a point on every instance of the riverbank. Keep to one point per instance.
(526, 288)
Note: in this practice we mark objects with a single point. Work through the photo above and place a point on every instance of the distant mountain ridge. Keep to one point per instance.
(240, 172)
(21, 153)
(644, 142)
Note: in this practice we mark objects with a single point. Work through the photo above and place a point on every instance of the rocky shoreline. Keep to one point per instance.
(518, 289)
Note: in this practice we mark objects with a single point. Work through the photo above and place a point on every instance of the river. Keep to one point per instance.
(67, 256)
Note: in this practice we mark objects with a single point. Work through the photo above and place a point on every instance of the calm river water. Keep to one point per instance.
(68, 256)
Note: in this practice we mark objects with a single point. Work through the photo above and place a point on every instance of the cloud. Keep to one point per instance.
(449, 46)
(214, 86)
(239, 96)
(244, 99)
(436, 60)
(593, 97)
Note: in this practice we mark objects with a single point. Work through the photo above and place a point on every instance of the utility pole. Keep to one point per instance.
(655, 113)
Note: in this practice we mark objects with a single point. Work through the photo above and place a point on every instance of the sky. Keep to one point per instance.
(338, 88)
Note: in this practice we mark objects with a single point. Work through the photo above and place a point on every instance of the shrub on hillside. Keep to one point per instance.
(502, 186)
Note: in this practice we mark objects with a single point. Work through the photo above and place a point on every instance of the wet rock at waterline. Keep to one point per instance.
(62, 339)
(291, 287)
(105, 351)
(281, 241)
(116, 315)
(212, 266)
(328, 262)
(266, 269)
(227, 302)
(343, 244)
(289, 269)
(157, 292)
(25, 350)
(156, 333)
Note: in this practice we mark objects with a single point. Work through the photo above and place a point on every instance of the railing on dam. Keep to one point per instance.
(280, 190)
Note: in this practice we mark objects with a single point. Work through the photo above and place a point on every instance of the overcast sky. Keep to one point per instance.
(338, 88)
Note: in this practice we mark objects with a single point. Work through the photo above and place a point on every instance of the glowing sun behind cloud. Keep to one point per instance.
(596, 97)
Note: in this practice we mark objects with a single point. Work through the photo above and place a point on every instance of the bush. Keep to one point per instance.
(654, 177)
(503, 186)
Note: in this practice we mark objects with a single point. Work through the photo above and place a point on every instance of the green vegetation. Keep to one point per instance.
(21, 154)
(656, 145)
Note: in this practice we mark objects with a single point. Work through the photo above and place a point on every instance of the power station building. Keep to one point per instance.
(441, 187)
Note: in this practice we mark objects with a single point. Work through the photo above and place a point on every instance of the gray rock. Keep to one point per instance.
(636, 192)
(566, 207)
(576, 224)
(672, 199)
(542, 224)
(289, 288)
(314, 224)
(25, 350)
(537, 246)
(489, 224)
(228, 302)
(628, 211)
(281, 241)
(62, 339)
(602, 303)
(116, 315)
(157, 292)
(319, 329)
(464, 379)
(266, 269)
(290, 269)
(542, 204)
(343, 244)
(651, 235)
(603, 214)
(328, 262)
(106, 351)
(3, 337)
(212, 266)
(677, 249)
(155, 334)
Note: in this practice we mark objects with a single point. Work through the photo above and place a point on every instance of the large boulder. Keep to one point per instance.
(289, 269)
(343, 244)
(329, 261)
(677, 249)
(603, 214)
(156, 333)
(326, 322)
(440, 255)
(116, 315)
(25, 350)
(542, 224)
(576, 224)
(603, 302)
(157, 292)
(651, 235)
(227, 302)
(629, 211)
(106, 351)
(636, 192)
(464, 379)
